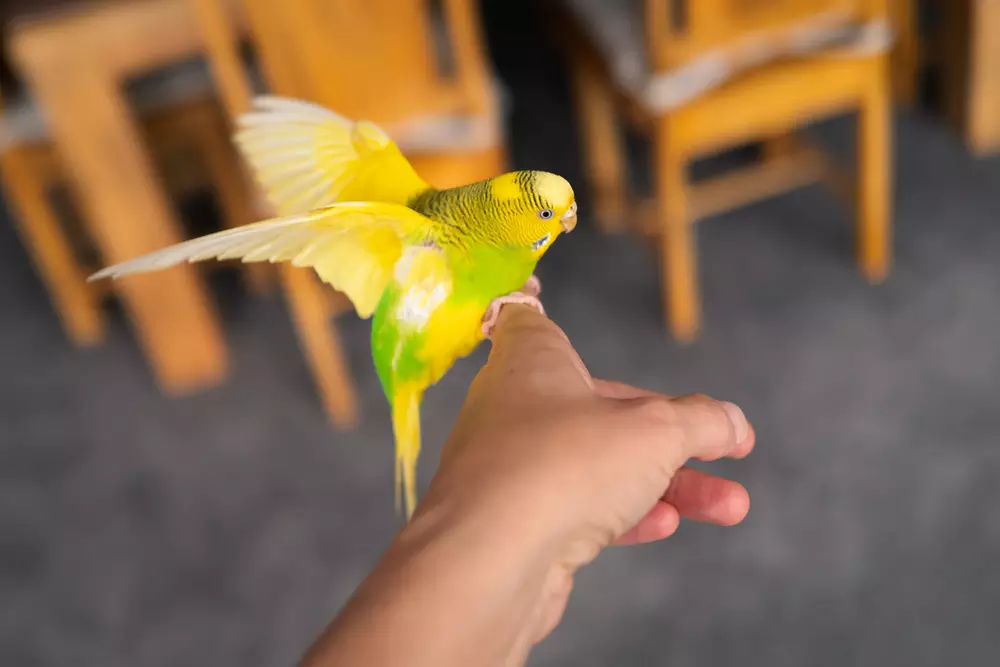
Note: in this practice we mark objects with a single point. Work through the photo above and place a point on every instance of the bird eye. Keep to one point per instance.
(546, 213)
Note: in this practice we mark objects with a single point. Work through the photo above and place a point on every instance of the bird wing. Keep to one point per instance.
(305, 156)
(353, 246)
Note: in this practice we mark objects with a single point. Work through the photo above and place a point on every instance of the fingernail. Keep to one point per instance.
(738, 419)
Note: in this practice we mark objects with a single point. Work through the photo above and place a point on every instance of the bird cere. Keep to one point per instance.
(431, 267)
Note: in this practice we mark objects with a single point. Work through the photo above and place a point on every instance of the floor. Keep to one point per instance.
(228, 527)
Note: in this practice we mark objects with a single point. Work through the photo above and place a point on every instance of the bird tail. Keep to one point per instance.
(406, 426)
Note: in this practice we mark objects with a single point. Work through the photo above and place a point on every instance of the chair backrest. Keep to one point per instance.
(381, 60)
(680, 31)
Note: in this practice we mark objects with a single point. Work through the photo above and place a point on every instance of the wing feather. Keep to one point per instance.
(352, 246)
(304, 156)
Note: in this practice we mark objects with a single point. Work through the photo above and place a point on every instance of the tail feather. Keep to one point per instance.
(406, 426)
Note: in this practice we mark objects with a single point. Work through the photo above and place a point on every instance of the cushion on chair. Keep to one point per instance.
(454, 132)
(437, 133)
(23, 122)
(616, 28)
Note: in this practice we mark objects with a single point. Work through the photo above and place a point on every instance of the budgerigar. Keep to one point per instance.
(432, 266)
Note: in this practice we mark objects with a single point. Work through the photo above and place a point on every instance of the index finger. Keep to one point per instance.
(528, 345)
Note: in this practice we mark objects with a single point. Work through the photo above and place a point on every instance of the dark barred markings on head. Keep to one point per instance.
(453, 206)
(527, 181)
(500, 211)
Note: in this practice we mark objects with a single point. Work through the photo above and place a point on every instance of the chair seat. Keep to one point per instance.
(431, 133)
(22, 121)
(454, 132)
(616, 29)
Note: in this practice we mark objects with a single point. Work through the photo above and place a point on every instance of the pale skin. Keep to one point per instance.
(527, 296)
(545, 468)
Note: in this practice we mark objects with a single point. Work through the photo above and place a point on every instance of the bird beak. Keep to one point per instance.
(568, 219)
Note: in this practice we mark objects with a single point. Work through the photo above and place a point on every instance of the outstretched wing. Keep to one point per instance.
(352, 246)
(305, 156)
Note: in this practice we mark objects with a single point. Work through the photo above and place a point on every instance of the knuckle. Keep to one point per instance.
(659, 428)
(656, 410)
(695, 399)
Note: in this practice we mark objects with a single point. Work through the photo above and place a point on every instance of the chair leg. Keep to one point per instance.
(77, 305)
(321, 345)
(906, 54)
(679, 263)
(602, 143)
(875, 174)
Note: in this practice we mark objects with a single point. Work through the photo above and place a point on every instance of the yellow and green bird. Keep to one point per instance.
(433, 266)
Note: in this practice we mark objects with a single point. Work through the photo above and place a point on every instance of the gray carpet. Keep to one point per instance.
(227, 528)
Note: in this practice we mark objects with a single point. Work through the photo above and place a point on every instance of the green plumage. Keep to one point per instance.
(425, 263)
(490, 235)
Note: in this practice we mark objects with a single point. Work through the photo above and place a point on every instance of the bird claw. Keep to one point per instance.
(493, 312)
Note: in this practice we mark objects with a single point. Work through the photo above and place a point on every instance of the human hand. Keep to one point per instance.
(545, 467)
(569, 464)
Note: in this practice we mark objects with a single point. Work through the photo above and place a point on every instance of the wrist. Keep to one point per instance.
(507, 564)
(453, 587)
(491, 554)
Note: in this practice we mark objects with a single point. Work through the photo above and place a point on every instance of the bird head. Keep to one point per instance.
(536, 207)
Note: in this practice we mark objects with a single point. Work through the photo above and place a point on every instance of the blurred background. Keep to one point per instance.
(196, 465)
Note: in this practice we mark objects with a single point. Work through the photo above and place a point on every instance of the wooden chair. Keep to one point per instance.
(709, 75)
(969, 63)
(188, 136)
(417, 72)
(908, 57)
(29, 169)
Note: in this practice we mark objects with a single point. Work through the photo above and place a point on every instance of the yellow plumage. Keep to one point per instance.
(305, 156)
(425, 263)
(353, 246)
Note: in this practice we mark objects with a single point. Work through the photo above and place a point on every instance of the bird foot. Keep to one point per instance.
(528, 295)
(493, 312)
(533, 287)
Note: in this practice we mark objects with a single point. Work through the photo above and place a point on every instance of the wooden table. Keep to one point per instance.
(76, 65)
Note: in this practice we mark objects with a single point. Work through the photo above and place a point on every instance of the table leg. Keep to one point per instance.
(128, 215)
